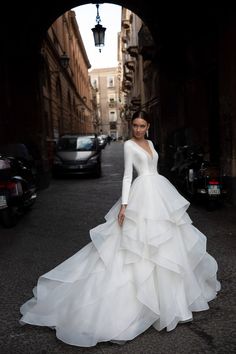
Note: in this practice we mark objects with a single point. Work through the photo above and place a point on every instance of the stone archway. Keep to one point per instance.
(185, 42)
(21, 40)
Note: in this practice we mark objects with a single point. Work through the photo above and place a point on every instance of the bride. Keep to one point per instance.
(146, 265)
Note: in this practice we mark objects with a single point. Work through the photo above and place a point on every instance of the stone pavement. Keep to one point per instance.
(58, 226)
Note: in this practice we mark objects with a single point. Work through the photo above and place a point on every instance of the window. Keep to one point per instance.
(110, 81)
(112, 116)
(113, 125)
(95, 83)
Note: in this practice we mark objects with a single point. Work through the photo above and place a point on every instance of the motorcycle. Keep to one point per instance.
(17, 188)
(207, 184)
(197, 178)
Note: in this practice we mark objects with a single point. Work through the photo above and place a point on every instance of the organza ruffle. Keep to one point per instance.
(154, 270)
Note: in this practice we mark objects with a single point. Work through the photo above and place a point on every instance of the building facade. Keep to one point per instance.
(106, 81)
(66, 93)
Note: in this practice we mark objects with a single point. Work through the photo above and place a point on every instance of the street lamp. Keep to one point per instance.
(64, 60)
(64, 63)
(98, 31)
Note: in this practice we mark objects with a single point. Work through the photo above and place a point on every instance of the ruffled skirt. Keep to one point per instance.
(154, 270)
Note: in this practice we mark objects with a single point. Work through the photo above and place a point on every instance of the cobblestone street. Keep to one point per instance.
(58, 226)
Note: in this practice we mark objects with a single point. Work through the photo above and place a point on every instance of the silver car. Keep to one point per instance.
(77, 154)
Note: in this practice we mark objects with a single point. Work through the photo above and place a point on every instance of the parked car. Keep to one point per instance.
(102, 141)
(77, 154)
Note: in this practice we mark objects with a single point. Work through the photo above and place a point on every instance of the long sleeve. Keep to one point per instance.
(128, 173)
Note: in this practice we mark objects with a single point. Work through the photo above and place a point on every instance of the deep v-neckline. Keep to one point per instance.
(150, 155)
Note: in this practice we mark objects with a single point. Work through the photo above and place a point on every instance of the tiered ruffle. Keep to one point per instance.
(154, 270)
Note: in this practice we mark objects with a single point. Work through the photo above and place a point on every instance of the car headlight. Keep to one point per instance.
(94, 158)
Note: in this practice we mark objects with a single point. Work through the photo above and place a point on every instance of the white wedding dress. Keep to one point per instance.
(154, 270)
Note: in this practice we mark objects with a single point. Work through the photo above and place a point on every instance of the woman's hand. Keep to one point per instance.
(121, 215)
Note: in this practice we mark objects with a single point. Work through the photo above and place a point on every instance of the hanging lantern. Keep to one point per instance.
(64, 60)
(98, 31)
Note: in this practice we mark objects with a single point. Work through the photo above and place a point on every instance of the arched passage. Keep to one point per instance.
(194, 50)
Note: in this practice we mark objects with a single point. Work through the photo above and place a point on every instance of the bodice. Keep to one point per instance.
(137, 157)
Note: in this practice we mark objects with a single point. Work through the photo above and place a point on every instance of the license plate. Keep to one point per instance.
(76, 167)
(215, 189)
(3, 202)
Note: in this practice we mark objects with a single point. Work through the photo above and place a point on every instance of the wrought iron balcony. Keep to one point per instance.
(130, 64)
(133, 51)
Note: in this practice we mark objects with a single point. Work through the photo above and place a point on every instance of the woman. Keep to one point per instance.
(148, 266)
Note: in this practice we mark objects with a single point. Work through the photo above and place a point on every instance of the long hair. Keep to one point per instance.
(141, 114)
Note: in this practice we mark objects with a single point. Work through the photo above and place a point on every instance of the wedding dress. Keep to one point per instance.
(154, 270)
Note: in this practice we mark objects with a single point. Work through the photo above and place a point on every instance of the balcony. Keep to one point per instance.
(112, 104)
(128, 76)
(133, 51)
(130, 65)
(127, 84)
(125, 24)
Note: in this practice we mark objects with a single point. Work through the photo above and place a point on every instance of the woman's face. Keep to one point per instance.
(139, 128)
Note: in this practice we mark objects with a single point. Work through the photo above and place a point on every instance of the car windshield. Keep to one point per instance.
(77, 144)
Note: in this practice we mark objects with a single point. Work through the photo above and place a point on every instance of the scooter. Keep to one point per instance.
(198, 179)
(206, 184)
(17, 189)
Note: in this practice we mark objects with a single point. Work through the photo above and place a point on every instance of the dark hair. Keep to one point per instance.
(141, 114)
